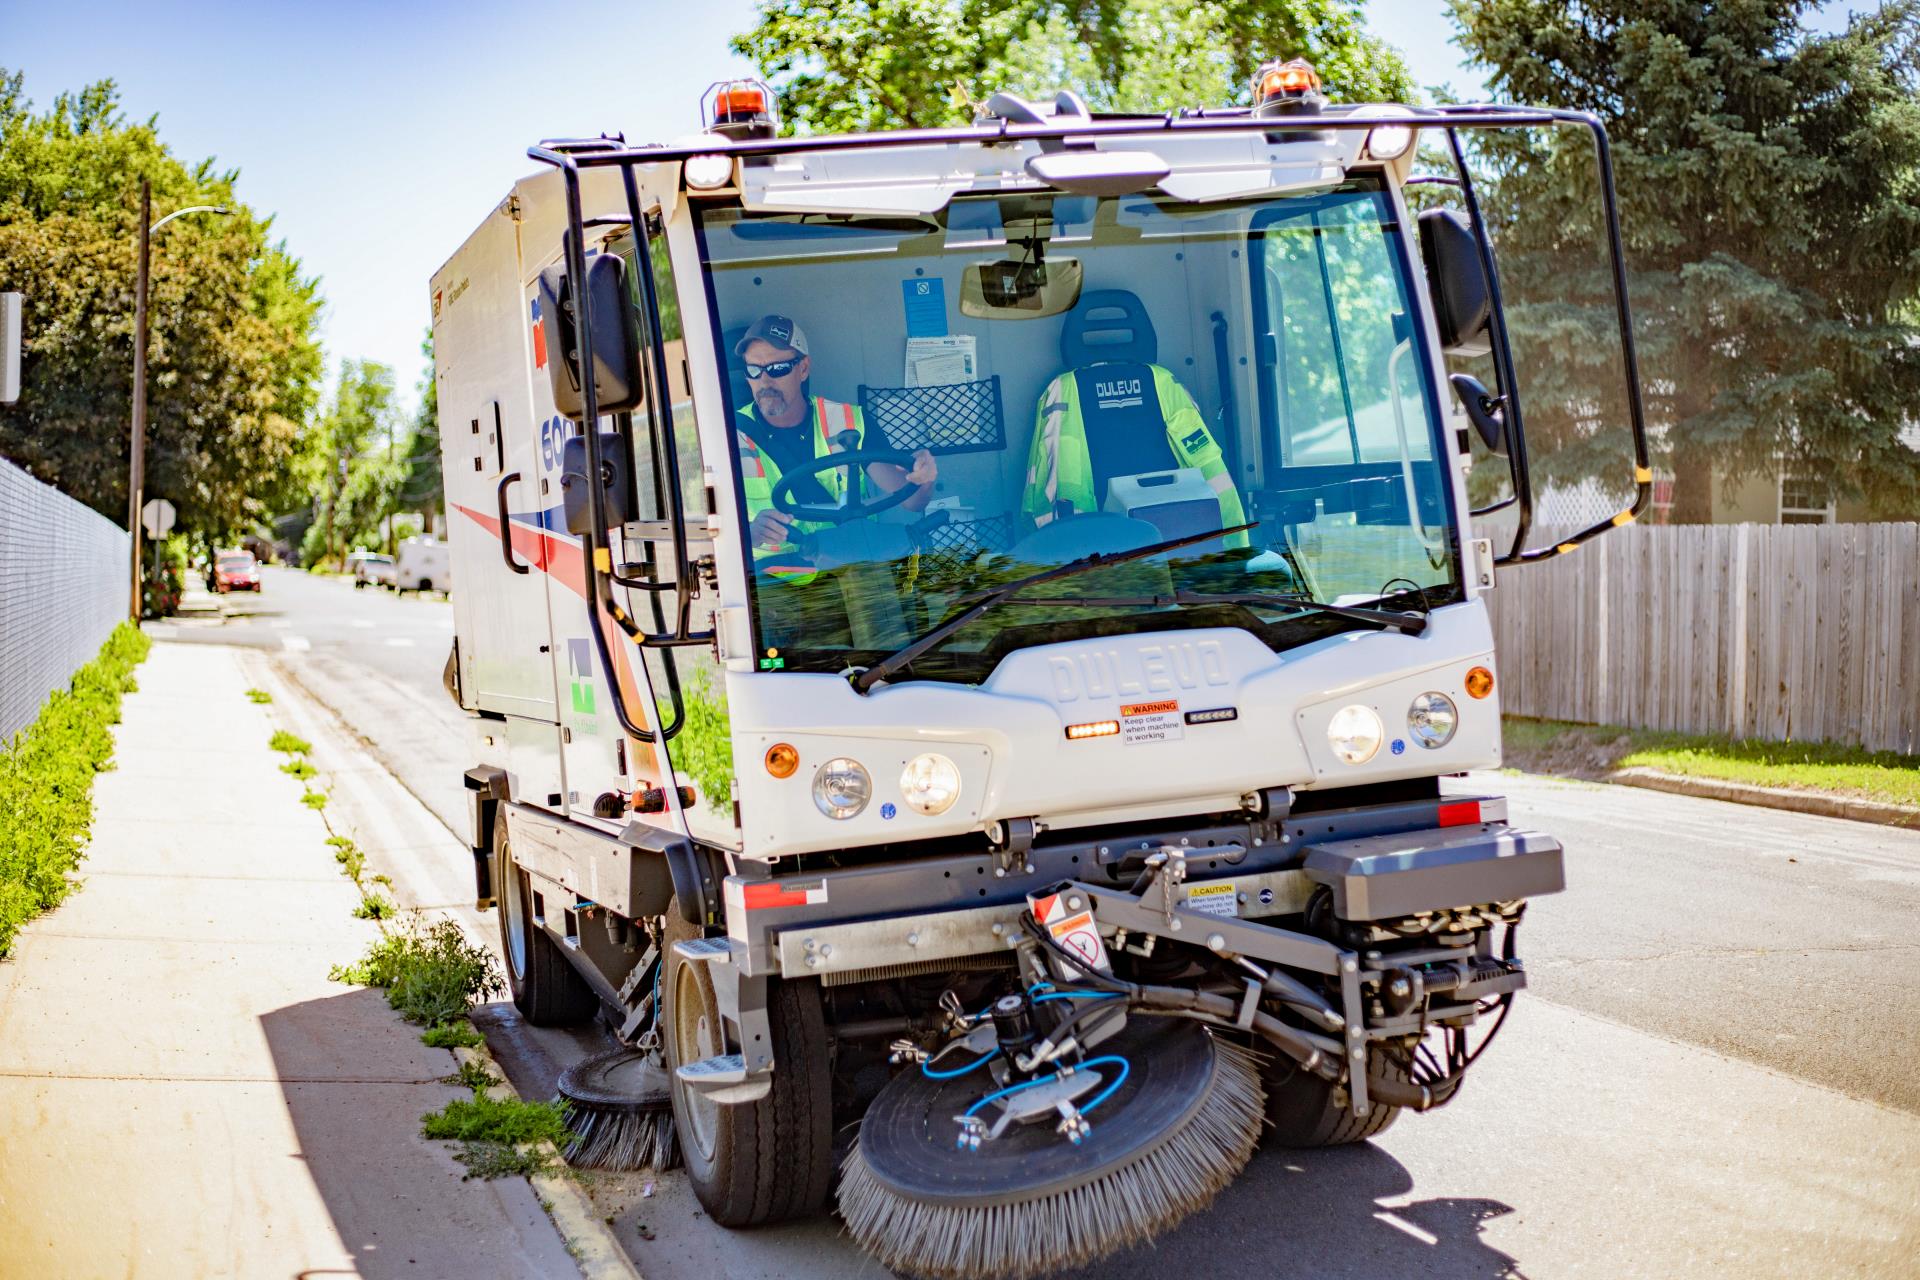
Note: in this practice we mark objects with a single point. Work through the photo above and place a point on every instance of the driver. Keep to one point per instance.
(791, 426)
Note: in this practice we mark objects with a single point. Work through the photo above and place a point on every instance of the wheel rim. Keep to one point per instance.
(695, 1030)
(515, 915)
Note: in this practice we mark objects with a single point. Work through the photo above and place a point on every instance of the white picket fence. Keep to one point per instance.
(1782, 632)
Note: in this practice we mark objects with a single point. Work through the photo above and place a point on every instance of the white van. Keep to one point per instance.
(423, 566)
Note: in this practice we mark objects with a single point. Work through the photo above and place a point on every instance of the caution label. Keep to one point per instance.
(1079, 935)
(1214, 899)
(1151, 722)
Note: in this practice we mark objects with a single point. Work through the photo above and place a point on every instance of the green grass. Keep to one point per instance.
(431, 974)
(299, 768)
(314, 799)
(46, 782)
(291, 743)
(499, 1137)
(1586, 750)
(452, 1035)
(259, 697)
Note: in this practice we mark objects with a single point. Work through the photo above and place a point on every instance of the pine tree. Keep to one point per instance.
(1769, 181)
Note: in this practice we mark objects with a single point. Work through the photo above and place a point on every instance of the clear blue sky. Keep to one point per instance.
(380, 133)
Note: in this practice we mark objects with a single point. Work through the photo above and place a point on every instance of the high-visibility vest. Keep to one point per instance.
(759, 473)
(1060, 467)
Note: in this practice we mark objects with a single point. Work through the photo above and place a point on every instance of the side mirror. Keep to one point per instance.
(577, 499)
(615, 359)
(1462, 302)
(1484, 411)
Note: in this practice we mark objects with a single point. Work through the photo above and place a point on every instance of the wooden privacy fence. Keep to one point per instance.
(1803, 632)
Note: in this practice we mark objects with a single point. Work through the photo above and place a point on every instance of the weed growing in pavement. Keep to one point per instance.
(299, 768)
(314, 799)
(431, 973)
(259, 697)
(500, 1137)
(452, 1035)
(292, 744)
(374, 906)
(46, 781)
(471, 1075)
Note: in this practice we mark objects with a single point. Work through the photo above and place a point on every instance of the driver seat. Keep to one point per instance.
(1116, 412)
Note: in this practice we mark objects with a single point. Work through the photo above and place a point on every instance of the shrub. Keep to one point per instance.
(46, 782)
(431, 973)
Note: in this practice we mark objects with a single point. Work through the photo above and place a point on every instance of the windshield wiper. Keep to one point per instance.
(981, 601)
(1411, 623)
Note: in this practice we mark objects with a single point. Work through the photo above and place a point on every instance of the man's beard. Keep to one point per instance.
(774, 404)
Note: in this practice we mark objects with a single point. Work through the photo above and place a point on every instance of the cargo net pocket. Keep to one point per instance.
(960, 417)
(957, 544)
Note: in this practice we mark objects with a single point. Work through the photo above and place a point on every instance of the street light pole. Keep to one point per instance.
(137, 473)
(137, 470)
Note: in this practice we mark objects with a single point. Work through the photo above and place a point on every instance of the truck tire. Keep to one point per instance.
(546, 990)
(1306, 1110)
(752, 1163)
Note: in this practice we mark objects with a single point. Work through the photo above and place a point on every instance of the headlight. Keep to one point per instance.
(1354, 733)
(930, 783)
(1432, 719)
(1389, 141)
(842, 787)
(708, 172)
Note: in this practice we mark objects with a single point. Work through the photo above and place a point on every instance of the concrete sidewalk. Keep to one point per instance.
(182, 1090)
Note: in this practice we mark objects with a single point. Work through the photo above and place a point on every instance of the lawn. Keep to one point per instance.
(1593, 751)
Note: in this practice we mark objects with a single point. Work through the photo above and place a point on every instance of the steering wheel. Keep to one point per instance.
(783, 491)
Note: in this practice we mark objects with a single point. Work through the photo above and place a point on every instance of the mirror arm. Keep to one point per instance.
(1516, 436)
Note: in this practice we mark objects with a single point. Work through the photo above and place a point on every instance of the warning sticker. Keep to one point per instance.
(1151, 722)
(1214, 899)
(1079, 935)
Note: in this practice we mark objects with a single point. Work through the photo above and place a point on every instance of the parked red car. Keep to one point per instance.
(234, 571)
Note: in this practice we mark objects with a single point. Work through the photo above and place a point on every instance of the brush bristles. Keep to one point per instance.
(1125, 1206)
(629, 1138)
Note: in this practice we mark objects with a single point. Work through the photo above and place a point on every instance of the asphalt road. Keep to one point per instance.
(1711, 1074)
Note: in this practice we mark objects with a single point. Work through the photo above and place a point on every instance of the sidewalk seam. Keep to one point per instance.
(1818, 803)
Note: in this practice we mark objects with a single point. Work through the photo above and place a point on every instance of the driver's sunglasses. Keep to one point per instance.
(778, 369)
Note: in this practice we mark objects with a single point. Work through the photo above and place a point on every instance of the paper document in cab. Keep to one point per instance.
(937, 362)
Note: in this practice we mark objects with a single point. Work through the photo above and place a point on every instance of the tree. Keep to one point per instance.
(874, 64)
(1769, 183)
(233, 365)
(351, 466)
(422, 490)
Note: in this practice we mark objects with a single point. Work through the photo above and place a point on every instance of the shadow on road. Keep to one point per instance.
(356, 1083)
(1316, 1215)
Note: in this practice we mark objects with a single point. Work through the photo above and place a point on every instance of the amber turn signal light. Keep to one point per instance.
(782, 760)
(1479, 682)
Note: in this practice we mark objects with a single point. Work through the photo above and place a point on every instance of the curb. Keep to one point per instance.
(584, 1232)
(1814, 802)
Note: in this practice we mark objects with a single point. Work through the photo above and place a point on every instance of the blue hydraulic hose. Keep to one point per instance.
(1107, 1092)
(931, 1074)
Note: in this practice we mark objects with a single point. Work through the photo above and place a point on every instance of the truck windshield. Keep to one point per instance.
(926, 406)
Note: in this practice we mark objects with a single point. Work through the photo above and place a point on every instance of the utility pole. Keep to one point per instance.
(137, 468)
(137, 471)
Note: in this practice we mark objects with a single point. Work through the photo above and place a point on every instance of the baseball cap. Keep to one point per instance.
(781, 331)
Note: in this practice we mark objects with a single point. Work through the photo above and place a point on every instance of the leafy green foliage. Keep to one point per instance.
(259, 697)
(431, 974)
(233, 357)
(299, 768)
(352, 467)
(314, 799)
(919, 63)
(421, 488)
(290, 743)
(500, 1137)
(374, 906)
(704, 749)
(1768, 180)
(470, 1075)
(46, 782)
(452, 1035)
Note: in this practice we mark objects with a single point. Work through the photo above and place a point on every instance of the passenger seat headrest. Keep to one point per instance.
(1108, 324)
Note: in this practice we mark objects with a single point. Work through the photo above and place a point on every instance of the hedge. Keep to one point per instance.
(46, 782)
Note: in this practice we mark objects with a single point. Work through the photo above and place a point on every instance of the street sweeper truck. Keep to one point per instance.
(963, 630)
